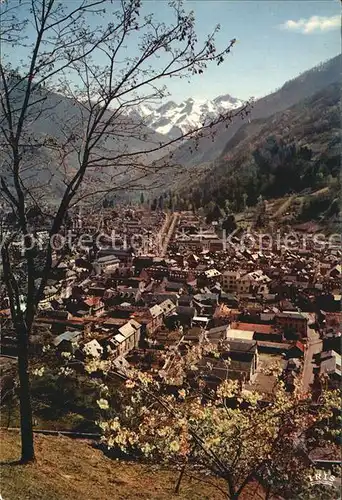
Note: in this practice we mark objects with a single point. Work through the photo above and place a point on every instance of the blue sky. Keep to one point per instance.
(277, 40)
(266, 55)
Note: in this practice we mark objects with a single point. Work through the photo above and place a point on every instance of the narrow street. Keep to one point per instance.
(167, 231)
(314, 346)
(156, 244)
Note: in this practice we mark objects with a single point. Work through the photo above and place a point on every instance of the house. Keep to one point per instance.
(179, 275)
(67, 341)
(193, 261)
(173, 286)
(244, 358)
(184, 315)
(206, 302)
(168, 307)
(242, 365)
(131, 330)
(158, 272)
(93, 349)
(151, 318)
(108, 263)
(332, 342)
(95, 305)
(229, 280)
(290, 320)
(157, 298)
(287, 305)
(229, 299)
(297, 350)
(212, 275)
(128, 294)
(157, 315)
(83, 264)
(123, 255)
(336, 271)
(185, 300)
(333, 321)
(215, 245)
(214, 335)
(293, 364)
(194, 335)
(97, 291)
(55, 314)
(50, 293)
(244, 284)
(260, 331)
(191, 243)
(267, 315)
(238, 334)
(200, 321)
(142, 262)
(89, 306)
(329, 302)
(258, 280)
(216, 288)
(330, 364)
(290, 373)
(127, 338)
(59, 270)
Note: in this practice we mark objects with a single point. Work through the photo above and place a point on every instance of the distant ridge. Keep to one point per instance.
(292, 92)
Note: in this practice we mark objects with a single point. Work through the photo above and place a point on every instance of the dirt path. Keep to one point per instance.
(283, 207)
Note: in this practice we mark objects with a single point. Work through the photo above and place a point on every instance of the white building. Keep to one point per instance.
(108, 263)
(241, 282)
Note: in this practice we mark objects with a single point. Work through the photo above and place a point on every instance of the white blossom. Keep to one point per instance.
(103, 404)
(66, 355)
(39, 372)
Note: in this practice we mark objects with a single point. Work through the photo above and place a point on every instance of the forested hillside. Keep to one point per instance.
(291, 151)
(291, 93)
(54, 139)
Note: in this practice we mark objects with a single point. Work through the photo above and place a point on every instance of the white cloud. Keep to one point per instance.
(314, 24)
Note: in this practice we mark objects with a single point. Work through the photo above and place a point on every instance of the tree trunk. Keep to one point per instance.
(180, 479)
(26, 424)
(268, 493)
(231, 491)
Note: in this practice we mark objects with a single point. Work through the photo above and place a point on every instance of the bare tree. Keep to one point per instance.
(69, 127)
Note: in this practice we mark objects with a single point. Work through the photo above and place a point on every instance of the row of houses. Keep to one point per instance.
(116, 302)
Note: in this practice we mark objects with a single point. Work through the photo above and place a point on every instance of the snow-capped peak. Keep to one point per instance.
(227, 101)
(174, 119)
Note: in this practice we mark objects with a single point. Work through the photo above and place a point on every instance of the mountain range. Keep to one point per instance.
(53, 133)
(291, 93)
(293, 151)
(173, 119)
(150, 125)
